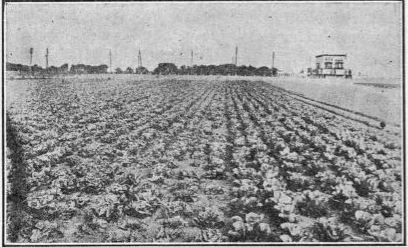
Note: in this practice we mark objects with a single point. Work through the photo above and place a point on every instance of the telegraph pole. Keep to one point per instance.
(236, 55)
(46, 59)
(273, 61)
(31, 55)
(31, 59)
(110, 60)
(139, 60)
(192, 58)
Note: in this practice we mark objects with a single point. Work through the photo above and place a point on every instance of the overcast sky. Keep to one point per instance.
(368, 32)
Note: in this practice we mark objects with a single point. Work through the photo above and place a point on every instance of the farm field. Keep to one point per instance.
(92, 159)
(376, 97)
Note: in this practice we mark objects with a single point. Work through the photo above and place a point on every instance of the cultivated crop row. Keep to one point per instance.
(194, 161)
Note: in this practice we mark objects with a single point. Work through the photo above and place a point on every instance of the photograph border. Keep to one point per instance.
(404, 179)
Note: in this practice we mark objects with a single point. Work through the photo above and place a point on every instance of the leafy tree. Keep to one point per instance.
(103, 69)
(263, 71)
(64, 68)
(118, 71)
(183, 70)
(129, 70)
(36, 69)
(165, 69)
(142, 70)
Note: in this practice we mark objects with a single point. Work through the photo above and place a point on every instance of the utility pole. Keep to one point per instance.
(31, 55)
(31, 59)
(192, 58)
(110, 60)
(139, 60)
(46, 58)
(273, 61)
(236, 55)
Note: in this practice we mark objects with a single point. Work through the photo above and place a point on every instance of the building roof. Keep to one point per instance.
(332, 55)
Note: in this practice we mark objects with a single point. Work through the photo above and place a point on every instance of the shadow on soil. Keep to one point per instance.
(17, 193)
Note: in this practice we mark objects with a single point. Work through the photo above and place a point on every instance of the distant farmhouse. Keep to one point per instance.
(330, 65)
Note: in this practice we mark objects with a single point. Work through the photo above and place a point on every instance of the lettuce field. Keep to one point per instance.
(176, 160)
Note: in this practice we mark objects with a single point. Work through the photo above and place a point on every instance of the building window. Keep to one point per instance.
(318, 65)
(338, 65)
(328, 65)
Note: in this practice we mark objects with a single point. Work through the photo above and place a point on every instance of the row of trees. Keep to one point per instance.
(223, 69)
(35, 69)
(63, 69)
(88, 69)
(75, 69)
(129, 70)
(161, 69)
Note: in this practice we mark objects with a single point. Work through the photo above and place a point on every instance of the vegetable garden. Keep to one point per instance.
(194, 161)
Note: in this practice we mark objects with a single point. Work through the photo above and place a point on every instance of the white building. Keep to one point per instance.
(330, 65)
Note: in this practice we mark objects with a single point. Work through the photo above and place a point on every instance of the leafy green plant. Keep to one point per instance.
(250, 229)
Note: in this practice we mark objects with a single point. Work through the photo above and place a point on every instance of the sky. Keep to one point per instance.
(370, 33)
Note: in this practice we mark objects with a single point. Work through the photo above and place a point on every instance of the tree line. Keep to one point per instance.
(223, 69)
(161, 69)
(35, 69)
(63, 69)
